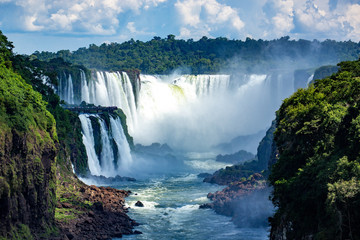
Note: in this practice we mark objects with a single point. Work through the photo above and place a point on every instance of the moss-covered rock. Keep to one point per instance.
(28, 148)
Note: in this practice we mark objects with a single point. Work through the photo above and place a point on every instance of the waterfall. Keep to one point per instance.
(85, 94)
(70, 93)
(184, 109)
(89, 142)
(195, 112)
(205, 85)
(107, 155)
(124, 155)
(111, 89)
(66, 88)
(113, 140)
(309, 79)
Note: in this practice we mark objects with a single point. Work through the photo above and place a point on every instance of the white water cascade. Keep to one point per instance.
(106, 164)
(309, 79)
(196, 112)
(204, 85)
(189, 112)
(66, 89)
(89, 142)
(124, 155)
(112, 89)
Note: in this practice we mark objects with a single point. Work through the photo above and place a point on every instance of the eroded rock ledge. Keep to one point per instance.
(246, 201)
(90, 212)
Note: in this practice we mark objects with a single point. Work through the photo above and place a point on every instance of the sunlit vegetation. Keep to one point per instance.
(163, 55)
(316, 179)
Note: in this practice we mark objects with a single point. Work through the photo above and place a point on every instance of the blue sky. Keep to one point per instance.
(46, 25)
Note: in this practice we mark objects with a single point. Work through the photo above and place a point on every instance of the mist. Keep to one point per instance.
(193, 121)
(245, 106)
(254, 209)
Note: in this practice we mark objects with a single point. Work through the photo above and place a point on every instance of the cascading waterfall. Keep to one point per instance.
(112, 89)
(105, 89)
(196, 112)
(205, 85)
(89, 142)
(113, 140)
(309, 79)
(124, 154)
(66, 89)
(85, 94)
(180, 110)
(107, 154)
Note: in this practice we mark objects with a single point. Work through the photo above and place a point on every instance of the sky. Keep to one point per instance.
(52, 25)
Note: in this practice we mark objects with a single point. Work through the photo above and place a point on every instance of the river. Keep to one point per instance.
(171, 206)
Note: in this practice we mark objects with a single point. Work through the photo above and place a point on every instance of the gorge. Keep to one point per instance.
(158, 137)
(181, 111)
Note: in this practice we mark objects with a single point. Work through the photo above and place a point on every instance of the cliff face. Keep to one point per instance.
(245, 198)
(27, 159)
(316, 177)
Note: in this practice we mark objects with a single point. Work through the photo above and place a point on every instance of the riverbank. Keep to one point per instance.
(90, 212)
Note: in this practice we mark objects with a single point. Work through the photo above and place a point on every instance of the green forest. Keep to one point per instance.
(163, 55)
(316, 178)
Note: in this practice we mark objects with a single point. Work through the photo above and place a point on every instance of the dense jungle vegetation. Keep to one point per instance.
(316, 178)
(163, 55)
(28, 148)
(41, 75)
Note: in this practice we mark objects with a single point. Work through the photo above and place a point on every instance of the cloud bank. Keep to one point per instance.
(118, 20)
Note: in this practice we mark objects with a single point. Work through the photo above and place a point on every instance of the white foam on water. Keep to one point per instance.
(206, 165)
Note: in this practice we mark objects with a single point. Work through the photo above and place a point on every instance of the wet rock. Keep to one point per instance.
(111, 180)
(239, 198)
(206, 206)
(106, 218)
(139, 204)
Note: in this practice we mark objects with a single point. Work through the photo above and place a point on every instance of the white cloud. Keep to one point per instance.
(78, 16)
(185, 33)
(283, 20)
(321, 19)
(131, 27)
(351, 19)
(205, 16)
(314, 18)
(309, 19)
(189, 11)
(30, 25)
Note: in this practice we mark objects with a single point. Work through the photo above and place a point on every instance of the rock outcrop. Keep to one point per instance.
(40, 197)
(90, 212)
(245, 201)
(246, 197)
(27, 159)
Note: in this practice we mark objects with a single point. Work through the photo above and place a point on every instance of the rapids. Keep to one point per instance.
(171, 205)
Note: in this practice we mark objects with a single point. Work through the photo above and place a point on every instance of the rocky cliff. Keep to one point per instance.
(316, 177)
(246, 197)
(27, 160)
(246, 201)
(40, 196)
